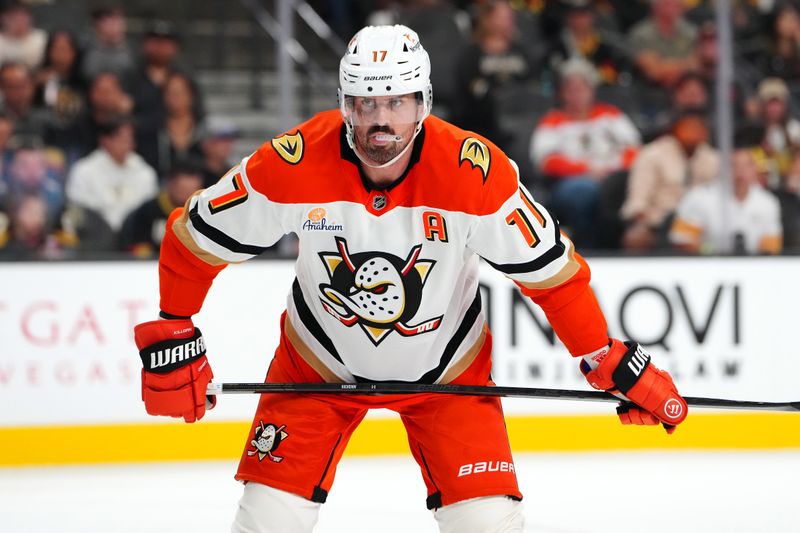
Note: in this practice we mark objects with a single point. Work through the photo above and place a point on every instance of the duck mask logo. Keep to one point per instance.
(378, 291)
(267, 439)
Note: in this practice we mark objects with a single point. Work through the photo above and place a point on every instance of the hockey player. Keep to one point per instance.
(392, 207)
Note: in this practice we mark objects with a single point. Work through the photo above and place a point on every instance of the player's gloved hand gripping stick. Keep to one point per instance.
(175, 371)
(649, 395)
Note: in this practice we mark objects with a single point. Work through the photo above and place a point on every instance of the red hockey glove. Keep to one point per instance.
(176, 371)
(650, 395)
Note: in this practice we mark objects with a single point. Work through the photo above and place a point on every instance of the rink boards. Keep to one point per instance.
(69, 372)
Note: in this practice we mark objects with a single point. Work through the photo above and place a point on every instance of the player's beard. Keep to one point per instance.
(376, 153)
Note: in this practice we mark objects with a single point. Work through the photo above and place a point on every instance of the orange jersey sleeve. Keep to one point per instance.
(573, 311)
(184, 278)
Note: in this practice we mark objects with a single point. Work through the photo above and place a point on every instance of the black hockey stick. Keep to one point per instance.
(476, 390)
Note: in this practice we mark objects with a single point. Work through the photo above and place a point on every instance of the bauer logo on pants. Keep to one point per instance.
(482, 467)
(267, 439)
(378, 291)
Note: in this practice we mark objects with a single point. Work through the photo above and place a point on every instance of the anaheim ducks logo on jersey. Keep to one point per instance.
(378, 291)
(477, 153)
(289, 147)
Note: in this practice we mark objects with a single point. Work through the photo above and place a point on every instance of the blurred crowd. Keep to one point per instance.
(99, 139)
(607, 106)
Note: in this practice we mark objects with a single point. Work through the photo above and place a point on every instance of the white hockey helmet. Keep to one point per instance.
(384, 61)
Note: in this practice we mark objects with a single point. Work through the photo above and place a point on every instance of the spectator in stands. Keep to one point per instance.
(113, 180)
(492, 61)
(443, 28)
(781, 131)
(181, 132)
(707, 51)
(159, 52)
(80, 229)
(578, 146)
(789, 198)
(160, 49)
(663, 43)
(60, 89)
(217, 148)
(4, 227)
(29, 174)
(19, 40)
(745, 75)
(690, 93)
(144, 228)
(781, 57)
(107, 103)
(628, 13)
(748, 19)
(108, 100)
(108, 49)
(554, 13)
(580, 37)
(19, 90)
(751, 23)
(58, 81)
(30, 230)
(752, 225)
(659, 177)
(6, 153)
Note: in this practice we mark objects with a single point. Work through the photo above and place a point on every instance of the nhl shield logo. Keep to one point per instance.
(378, 202)
(378, 291)
(289, 147)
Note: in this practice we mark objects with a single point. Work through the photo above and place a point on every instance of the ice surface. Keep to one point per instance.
(564, 493)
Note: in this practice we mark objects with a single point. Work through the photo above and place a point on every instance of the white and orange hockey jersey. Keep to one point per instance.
(563, 146)
(700, 223)
(387, 280)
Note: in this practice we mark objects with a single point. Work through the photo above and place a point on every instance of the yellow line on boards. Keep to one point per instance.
(377, 436)
(717, 431)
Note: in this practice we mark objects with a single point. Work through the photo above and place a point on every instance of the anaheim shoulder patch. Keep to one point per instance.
(290, 147)
(478, 155)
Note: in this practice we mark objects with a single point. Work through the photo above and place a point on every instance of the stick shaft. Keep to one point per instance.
(476, 390)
